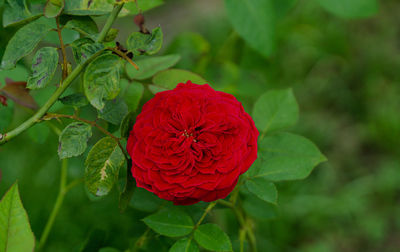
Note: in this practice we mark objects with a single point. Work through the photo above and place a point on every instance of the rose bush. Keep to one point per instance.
(191, 143)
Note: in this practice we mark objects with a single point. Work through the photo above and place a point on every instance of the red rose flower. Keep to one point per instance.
(191, 144)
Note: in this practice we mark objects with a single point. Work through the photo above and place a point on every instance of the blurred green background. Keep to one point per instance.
(346, 76)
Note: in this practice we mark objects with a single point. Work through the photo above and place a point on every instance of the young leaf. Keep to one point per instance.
(211, 237)
(143, 43)
(53, 9)
(84, 25)
(73, 140)
(184, 245)
(16, 233)
(263, 189)
(24, 41)
(172, 223)
(133, 94)
(150, 66)
(350, 9)
(17, 92)
(254, 21)
(287, 156)
(170, 78)
(102, 166)
(101, 80)
(275, 110)
(44, 65)
(74, 100)
(114, 111)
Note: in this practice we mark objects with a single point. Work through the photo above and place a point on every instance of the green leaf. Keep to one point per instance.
(84, 48)
(16, 234)
(73, 140)
(52, 9)
(87, 7)
(172, 223)
(263, 189)
(44, 66)
(84, 25)
(75, 100)
(114, 111)
(6, 115)
(275, 110)
(133, 94)
(145, 201)
(259, 209)
(286, 156)
(170, 78)
(184, 245)
(155, 89)
(150, 66)
(350, 9)
(143, 43)
(211, 237)
(102, 166)
(101, 80)
(111, 35)
(24, 41)
(127, 124)
(16, 12)
(254, 20)
(126, 196)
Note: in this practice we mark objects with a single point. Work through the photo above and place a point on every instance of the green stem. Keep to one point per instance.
(57, 205)
(208, 209)
(4, 138)
(109, 22)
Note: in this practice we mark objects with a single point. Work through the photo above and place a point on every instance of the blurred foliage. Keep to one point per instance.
(344, 72)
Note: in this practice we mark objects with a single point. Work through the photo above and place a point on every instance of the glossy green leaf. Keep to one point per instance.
(16, 12)
(24, 41)
(150, 66)
(211, 237)
(143, 43)
(73, 140)
(75, 100)
(263, 189)
(254, 20)
(6, 115)
(184, 245)
(16, 234)
(102, 166)
(127, 124)
(170, 78)
(350, 9)
(114, 111)
(44, 66)
(275, 110)
(53, 8)
(286, 156)
(84, 25)
(172, 223)
(101, 80)
(133, 94)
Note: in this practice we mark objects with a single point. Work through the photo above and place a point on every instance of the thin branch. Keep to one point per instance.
(123, 55)
(63, 51)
